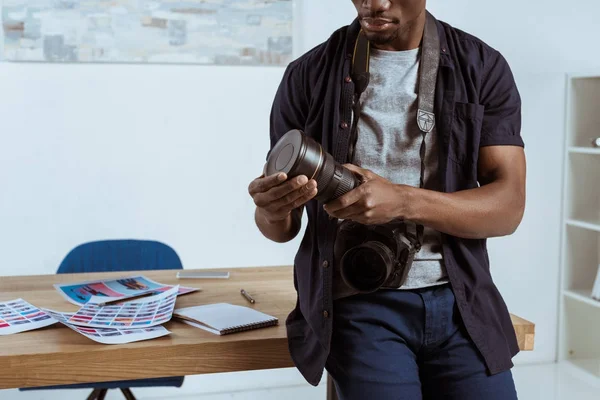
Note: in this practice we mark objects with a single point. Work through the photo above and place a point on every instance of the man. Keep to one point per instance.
(445, 332)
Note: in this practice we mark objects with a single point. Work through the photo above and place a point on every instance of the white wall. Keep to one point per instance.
(137, 154)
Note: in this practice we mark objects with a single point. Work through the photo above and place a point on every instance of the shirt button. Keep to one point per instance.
(348, 79)
(326, 314)
(325, 264)
(344, 125)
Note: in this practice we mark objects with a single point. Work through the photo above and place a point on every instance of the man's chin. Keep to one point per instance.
(379, 38)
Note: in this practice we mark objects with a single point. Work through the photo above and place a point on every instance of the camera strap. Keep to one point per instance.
(428, 70)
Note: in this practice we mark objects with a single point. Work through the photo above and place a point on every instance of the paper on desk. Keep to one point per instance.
(111, 335)
(141, 313)
(19, 316)
(114, 289)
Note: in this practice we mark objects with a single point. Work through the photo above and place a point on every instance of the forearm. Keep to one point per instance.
(278, 231)
(495, 209)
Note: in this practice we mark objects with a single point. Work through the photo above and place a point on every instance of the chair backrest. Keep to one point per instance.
(120, 255)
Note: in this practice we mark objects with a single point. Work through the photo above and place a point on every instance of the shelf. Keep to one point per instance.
(584, 150)
(583, 296)
(581, 257)
(586, 367)
(582, 185)
(579, 313)
(593, 226)
(580, 328)
(583, 118)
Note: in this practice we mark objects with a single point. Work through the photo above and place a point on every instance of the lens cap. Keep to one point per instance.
(294, 154)
(285, 153)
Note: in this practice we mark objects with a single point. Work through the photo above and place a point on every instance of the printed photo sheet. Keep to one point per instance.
(111, 335)
(114, 289)
(141, 313)
(19, 316)
(103, 299)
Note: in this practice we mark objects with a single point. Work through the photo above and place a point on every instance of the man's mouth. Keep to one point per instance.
(377, 24)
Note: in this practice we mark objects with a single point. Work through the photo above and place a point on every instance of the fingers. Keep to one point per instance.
(359, 212)
(348, 212)
(344, 201)
(306, 198)
(263, 184)
(352, 167)
(280, 208)
(282, 196)
(275, 193)
(296, 198)
(357, 170)
(288, 187)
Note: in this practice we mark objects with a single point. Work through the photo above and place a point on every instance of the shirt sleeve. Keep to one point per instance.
(289, 109)
(502, 102)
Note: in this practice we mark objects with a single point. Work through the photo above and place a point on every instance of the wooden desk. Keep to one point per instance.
(57, 355)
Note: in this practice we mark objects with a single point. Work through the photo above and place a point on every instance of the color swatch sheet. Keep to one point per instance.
(20, 316)
(114, 289)
(141, 313)
(111, 335)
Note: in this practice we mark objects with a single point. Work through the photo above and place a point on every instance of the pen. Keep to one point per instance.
(125, 299)
(247, 296)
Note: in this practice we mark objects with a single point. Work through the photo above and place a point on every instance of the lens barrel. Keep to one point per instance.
(298, 154)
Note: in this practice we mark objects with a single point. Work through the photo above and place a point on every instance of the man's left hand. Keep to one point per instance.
(375, 201)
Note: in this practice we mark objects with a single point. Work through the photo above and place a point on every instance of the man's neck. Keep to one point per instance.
(409, 37)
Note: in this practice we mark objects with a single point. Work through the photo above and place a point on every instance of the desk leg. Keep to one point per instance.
(331, 393)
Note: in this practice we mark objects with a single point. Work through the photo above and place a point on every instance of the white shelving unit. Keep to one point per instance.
(579, 320)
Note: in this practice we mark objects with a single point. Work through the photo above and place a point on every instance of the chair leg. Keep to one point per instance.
(94, 394)
(331, 392)
(102, 394)
(127, 393)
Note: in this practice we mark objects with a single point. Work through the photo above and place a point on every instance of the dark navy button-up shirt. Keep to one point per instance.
(477, 104)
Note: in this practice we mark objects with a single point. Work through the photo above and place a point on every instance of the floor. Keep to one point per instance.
(554, 382)
(534, 382)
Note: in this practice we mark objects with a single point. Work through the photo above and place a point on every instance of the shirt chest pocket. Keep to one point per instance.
(465, 133)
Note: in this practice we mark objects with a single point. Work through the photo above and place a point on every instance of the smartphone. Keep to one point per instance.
(203, 275)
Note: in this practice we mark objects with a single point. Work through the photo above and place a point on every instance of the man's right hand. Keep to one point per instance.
(275, 196)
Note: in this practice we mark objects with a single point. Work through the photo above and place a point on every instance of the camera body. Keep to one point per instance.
(373, 257)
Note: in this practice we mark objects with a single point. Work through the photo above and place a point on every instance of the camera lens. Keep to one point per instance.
(366, 267)
(297, 154)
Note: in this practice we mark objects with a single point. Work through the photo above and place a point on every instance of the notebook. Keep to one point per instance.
(224, 318)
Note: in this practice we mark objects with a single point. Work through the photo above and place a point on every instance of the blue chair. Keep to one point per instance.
(120, 255)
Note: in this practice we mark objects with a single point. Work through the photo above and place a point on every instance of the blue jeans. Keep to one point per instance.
(409, 345)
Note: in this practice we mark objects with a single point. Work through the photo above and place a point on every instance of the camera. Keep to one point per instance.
(298, 154)
(373, 257)
(369, 257)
